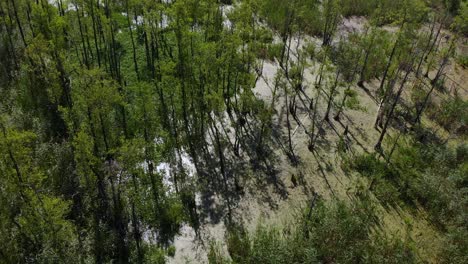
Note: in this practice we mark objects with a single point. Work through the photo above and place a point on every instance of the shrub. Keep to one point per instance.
(462, 60)
(434, 176)
(370, 166)
(452, 114)
(353, 101)
(386, 192)
(274, 51)
(238, 243)
(358, 7)
(215, 255)
(330, 233)
(171, 250)
(155, 255)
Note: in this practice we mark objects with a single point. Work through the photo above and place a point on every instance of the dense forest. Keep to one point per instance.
(233, 131)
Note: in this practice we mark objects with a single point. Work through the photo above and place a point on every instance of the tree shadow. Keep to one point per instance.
(320, 160)
(220, 194)
(349, 133)
(368, 92)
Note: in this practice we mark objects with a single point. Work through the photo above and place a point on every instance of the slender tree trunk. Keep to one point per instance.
(388, 91)
(433, 85)
(440, 71)
(219, 149)
(378, 146)
(83, 43)
(330, 97)
(389, 63)
(135, 62)
(18, 22)
(181, 73)
(366, 59)
(96, 45)
(425, 54)
(292, 156)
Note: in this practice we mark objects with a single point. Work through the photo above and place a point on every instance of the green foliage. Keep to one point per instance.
(358, 7)
(310, 50)
(347, 57)
(238, 244)
(274, 51)
(334, 232)
(460, 23)
(215, 256)
(433, 176)
(380, 175)
(352, 101)
(451, 114)
(376, 45)
(370, 166)
(171, 250)
(397, 11)
(155, 255)
(98, 96)
(457, 246)
(454, 5)
(285, 17)
(341, 147)
(33, 224)
(462, 60)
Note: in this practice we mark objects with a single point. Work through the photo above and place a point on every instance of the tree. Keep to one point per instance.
(34, 223)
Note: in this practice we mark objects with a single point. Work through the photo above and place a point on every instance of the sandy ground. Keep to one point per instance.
(274, 207)
(321, 170)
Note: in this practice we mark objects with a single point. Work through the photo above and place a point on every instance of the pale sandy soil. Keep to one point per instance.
(321, 171)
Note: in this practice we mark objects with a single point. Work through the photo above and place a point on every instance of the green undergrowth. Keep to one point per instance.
(451, 114)
(330, 232)
(432, 176)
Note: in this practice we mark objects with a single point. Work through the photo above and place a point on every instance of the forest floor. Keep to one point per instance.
(277, 202)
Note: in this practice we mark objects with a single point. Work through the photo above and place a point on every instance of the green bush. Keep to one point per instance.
(462, 60)
(434, 176)
(453, 6)
(358, 7)
(274, 51)
(238, 243)
(330, 233)
(353, 101)
(215, 256)
(370, 166)
(155, 255)
(386, 192)
(452, 115)
(171, 250)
